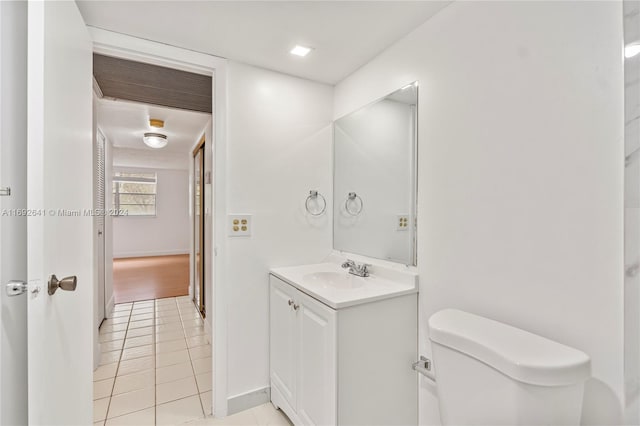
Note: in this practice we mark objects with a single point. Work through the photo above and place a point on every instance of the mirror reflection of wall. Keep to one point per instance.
(375, 178)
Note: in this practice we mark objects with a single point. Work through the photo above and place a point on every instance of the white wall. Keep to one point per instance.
(167, 232)
(13, 239)
(279, 147)
(520, 173)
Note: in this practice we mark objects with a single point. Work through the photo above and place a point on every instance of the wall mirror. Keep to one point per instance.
(375, 178)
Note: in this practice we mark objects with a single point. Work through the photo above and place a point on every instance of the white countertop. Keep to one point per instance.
(383, 283)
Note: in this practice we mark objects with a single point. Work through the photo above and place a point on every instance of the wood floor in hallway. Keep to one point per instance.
(147, 278)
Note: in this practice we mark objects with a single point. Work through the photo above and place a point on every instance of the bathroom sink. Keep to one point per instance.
(336, 280)
(332, 285)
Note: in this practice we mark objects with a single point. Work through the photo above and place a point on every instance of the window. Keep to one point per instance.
(135, 193)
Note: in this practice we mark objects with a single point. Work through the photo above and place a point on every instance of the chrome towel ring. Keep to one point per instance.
(315, 195)
(351, 199)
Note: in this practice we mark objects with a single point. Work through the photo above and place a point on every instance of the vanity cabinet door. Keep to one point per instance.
(283, 328)
(317, 396)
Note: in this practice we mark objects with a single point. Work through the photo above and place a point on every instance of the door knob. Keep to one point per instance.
(16, 288)
(67, 283)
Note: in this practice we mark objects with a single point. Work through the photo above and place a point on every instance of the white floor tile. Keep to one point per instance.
(100, 407)
(243, 418)
(143, 323)
(133, 342)
(206, 399)
(173, 372)
(204, 382)
(109, 337)
(170, 358)
(114, 345)
(167, 336)
(142, 331)
(133, 382)
(116, 320)
(120, 313)
(202, 365)
(131, 401)
(105, 328)
(171, 346)
(195, 331)
(137, 365)
(150, 302)
(141, 317)
(145, 417)
(102, 388)
(168, 320)
(166, 392)
(188, 323)
(137, 352)
(180, 411)
(140, 311)
(267, 415)
(105, 371)
(196, 341)
(109, 357)
(161, 328)
(200, 352)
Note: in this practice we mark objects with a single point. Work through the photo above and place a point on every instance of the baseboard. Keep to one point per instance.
(242, 402)
(108, 309)
(149, 253)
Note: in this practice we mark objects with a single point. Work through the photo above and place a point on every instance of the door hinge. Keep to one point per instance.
(5, 192)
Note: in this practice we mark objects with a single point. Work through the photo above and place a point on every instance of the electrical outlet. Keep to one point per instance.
(402, 222)
(239, 225)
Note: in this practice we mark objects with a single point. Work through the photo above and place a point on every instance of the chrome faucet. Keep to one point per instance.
(355, 269)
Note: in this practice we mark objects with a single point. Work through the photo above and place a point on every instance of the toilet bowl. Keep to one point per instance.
(490, 373)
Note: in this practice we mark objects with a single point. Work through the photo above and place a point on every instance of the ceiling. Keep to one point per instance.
(344, 34)
(124, 124)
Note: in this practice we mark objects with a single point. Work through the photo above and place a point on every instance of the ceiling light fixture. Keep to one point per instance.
(155, 140)
(154, 122)
(300, 50)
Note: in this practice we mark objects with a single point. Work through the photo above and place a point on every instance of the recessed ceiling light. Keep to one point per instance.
(155, 140)
(154, 122)
(300, 50)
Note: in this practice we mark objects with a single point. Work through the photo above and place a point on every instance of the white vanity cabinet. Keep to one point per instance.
(345, 366)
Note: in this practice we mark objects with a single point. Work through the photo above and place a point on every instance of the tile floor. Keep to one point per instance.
(261, 415)
(155, 366)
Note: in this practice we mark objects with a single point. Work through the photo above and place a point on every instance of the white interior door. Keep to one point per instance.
(60, 237)
(13, 228)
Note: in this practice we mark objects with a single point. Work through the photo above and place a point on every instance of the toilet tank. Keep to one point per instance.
(490, 373)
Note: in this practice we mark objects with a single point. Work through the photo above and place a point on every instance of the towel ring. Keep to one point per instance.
(352, 197)
(313, 195)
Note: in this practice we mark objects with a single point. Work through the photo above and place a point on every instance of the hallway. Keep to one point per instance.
(155, 365)
(148, 278)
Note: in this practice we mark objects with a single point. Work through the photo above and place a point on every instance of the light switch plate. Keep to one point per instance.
(402, 222)
(239, 225)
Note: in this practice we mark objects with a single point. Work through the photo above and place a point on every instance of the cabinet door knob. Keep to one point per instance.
(290, 302)
(295, 306)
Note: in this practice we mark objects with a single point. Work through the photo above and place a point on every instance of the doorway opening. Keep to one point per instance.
(155, 339)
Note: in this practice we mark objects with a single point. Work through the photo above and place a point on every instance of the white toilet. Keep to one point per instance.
(489, 373)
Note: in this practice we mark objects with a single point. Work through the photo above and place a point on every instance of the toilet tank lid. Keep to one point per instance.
(519, 354)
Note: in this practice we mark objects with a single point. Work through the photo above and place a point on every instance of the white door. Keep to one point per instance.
(317, 345)
(283, 329)
(60, 237)
(13, 228)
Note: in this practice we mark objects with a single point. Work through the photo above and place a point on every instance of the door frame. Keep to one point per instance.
(200, 236)
(132, 48)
